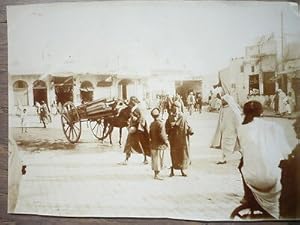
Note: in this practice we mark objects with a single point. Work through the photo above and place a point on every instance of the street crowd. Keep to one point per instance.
(262, 144)
(280, 103)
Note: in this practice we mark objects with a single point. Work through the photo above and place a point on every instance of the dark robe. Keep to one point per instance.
(178, 133)
(290, 180)
(138, 140)
(276, 103)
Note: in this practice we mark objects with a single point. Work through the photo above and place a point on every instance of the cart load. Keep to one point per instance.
(93, 112)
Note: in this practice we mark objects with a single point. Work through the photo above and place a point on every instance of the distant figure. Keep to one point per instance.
(178, 132)
(54, 108)
(24, 122)
(168, 103)
(178, 100)
(281, 102)
(191, 102)
(276, 102)
(44, 113)
(290, 103)
(199, 102)
(158, 143)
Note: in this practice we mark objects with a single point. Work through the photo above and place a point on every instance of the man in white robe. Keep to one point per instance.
(226, 133)
(263, 145)
(282, 102)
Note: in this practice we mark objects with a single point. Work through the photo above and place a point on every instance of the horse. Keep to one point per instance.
(120, 121)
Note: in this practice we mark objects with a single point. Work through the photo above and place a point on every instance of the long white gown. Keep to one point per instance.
(263, 145)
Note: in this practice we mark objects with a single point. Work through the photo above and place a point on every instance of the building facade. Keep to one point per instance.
(260, 73)
(29, 89)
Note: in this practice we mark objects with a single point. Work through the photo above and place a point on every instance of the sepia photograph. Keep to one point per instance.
(185, 110)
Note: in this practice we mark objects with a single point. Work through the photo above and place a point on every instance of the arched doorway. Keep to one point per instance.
(86, 91)
(39, 91)
(20, 93)
(126, 89)
(63, 89)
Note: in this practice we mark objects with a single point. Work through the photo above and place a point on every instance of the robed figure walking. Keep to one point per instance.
(178, 132)
(138, 136)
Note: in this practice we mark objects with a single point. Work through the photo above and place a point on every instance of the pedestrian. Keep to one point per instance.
(54, 110)
(281, 102)
(138, 135)
(179, 133)
(276, 102)
(263, 145)
(199, 102)
(24, 121)
(225, 136)
(168, 103)
(178, 100)
(190, 102)
(158, 143)
(44, 113)
(290, 103)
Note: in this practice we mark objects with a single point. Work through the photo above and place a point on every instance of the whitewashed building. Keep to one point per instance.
(28, 89)
(261, 73)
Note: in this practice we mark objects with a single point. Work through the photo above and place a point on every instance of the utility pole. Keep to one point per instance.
(282, 63)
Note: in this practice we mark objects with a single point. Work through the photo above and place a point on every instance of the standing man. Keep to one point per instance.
(199, 102)
(281, 102)
(44, 113)
(158, 143)
(226, 133)
(138, 135)
(178, 100)
(24, 120)
(191, 102)
(276, 102)
(178, 132)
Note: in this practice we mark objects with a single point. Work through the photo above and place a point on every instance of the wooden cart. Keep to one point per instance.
(92, 112)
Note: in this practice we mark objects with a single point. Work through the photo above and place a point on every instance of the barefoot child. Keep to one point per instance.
(158, 143)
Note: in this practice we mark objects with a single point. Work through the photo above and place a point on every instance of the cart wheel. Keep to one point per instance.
(71, 123)
(97, 128)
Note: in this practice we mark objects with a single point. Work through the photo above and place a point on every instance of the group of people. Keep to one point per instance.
(173, 134)
(193, 103)
(283, 103)
(262, 144)
(43, 112)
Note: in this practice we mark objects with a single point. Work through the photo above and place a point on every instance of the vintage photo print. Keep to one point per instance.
(154, 109)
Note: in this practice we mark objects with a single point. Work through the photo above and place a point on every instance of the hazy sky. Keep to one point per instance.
(139, 37)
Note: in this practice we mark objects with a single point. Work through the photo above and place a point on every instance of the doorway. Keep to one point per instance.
(39, 92)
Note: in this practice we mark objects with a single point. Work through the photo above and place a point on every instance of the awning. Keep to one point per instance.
(104, 80)
(87, 89)
(104, 83)
(126, 82)
(61, 81)
(39, 84)
(291, 70)
(274, 78)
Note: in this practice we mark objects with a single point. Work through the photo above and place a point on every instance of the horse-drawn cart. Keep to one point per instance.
(92, 112)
